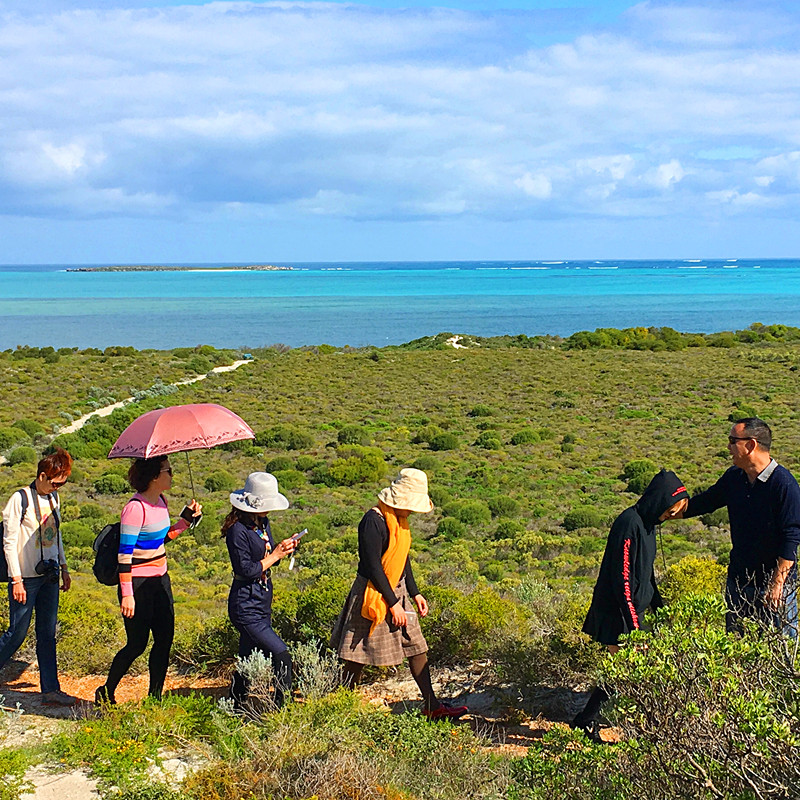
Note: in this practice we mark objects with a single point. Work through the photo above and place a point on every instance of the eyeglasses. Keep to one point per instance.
(167, 469)
(56, 484)
(732, 439)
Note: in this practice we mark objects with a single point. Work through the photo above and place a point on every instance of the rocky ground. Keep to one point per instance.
(496, 712)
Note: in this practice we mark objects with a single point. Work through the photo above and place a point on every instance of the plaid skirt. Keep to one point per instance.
(389, 644)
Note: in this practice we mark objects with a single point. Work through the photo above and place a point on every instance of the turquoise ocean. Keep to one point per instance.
(386, 303)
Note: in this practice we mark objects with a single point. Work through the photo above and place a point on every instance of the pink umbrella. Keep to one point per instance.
(171, 430)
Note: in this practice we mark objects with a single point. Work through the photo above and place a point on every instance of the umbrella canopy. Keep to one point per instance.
(171, 430)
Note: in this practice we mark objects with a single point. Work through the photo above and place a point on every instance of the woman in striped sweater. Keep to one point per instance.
(145, 592)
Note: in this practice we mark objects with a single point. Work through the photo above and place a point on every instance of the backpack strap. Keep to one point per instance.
(24, 498)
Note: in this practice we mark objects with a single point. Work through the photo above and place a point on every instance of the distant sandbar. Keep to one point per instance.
(160, 268)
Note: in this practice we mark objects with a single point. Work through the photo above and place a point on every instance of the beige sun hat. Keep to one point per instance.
(259, 495)
(409, 491)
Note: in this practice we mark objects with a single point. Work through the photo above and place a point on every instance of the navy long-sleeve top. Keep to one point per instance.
(373, 541)
(764, 517)
(247, 547)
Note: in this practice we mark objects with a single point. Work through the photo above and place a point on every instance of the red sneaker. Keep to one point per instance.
(445, 711)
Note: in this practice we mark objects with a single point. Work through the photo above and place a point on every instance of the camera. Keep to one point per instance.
(48, 568)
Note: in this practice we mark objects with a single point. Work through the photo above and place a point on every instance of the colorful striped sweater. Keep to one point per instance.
(143, 529)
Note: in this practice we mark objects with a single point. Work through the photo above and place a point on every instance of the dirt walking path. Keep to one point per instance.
(107, 410)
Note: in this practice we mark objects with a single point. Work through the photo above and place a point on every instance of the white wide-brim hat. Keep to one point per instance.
(409, 491)
(259, 495)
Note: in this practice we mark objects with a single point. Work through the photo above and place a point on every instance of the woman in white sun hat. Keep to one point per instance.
(253, 553)
(377, 625)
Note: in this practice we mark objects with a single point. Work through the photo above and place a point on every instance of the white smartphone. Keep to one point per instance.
(298, 536)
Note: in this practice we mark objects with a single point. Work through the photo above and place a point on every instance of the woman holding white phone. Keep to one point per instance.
(253, 553)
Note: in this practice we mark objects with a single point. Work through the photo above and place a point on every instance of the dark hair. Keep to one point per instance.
(755, 428)
(144, 471)
(237, 515)
(59, 462)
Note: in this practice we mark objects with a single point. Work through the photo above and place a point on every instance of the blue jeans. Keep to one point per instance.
(747, 601)
(44, 598)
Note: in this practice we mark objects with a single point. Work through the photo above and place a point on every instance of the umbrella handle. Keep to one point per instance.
(191, 480)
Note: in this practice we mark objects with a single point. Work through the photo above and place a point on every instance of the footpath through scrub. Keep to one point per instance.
(106, 411)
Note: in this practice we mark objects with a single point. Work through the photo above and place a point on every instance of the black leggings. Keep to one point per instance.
(153, 613)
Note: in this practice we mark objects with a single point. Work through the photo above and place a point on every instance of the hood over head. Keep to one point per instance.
(662, 492)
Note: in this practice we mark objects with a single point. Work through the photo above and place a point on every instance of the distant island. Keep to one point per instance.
(161, 268)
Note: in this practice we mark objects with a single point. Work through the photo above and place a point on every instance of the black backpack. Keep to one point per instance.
(3, 563)
(106, 555)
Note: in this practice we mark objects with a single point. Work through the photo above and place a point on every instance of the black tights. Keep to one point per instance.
(153, 613)
(420, 671)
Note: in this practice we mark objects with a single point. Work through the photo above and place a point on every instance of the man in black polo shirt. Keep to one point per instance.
(763, 501)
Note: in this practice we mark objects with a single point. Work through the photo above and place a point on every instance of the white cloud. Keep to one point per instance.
(538, 186)
(668, 174)
(346, 111)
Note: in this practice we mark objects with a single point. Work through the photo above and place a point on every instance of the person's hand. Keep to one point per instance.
(422, 605)
(773, 597)
(18, 592)
(287, 547)
(127, 607)
(66, 580)
(197, 508)
(398, 615)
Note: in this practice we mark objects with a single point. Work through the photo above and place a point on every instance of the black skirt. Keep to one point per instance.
(605, 625)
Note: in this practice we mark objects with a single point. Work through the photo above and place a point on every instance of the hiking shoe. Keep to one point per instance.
(590, 728)
(58, 698)
(102, 697)
(445, 711)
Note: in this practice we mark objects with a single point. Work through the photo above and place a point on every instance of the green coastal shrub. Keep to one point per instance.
(444, 441)
(689, 681)
(503, 506)
(221, 481)
(525, 436)
(426, 433)
(290, 478)
(638, 473)
(692, 575)
(22, 455)
(280, 463)
(77, 533)
(304, 463)
(29, 426)
(583, 517)
(439, 495)
(284, 437)
(11, 436)
(470, 512)
(356, 465)
(481, 411)
(451, 528)
(426, 462)
(488, 440)
(508, 529)
(467, 626)
(111, 483)
(353, 434)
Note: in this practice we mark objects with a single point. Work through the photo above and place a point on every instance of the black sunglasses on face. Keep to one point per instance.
(168, 469)
(732, 439)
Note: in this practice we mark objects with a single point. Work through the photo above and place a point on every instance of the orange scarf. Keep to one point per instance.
(393, 562)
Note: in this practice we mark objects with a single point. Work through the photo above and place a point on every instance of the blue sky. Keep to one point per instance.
(289, 131)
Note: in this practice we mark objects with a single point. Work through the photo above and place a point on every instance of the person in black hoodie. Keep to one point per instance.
(626, 586)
